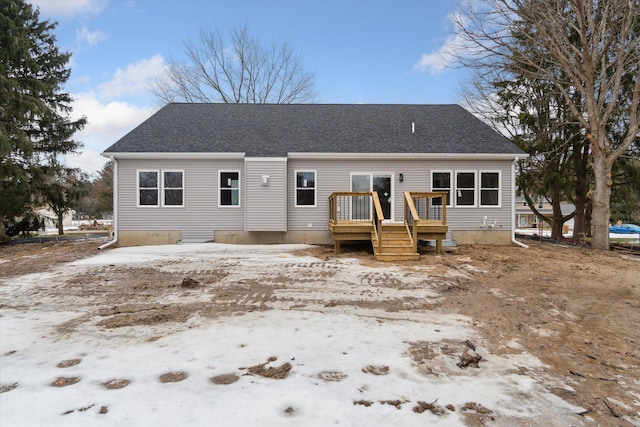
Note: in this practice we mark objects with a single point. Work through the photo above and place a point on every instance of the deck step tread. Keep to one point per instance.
(396, 244)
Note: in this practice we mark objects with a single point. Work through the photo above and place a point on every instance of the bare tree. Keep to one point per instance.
(596, 45)
(236, 70)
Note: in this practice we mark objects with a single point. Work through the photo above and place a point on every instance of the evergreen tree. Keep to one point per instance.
(63, 191)
(35, 128)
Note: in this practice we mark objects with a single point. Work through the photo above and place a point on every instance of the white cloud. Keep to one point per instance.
(134, 78)
(106, 123)
(88, 161)
(443, 57)
(111, 112)
(91, 38)
(69, 7)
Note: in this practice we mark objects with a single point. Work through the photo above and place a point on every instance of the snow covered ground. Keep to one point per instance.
(300, 359)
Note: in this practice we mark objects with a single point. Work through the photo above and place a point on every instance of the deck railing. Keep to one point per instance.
(422, 208)
(349, 206)
(411, 218)
(357, 207)
(377, 219)
(430, 206)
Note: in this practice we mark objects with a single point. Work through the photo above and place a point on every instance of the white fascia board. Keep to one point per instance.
(265, 159)
(407, 156)
(179, 156)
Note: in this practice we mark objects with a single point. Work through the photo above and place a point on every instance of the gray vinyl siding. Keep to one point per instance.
(335, 175)
(200, 215)
(272, 207)
(266, 205)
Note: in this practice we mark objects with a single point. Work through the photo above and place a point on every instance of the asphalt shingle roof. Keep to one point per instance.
(273, 130)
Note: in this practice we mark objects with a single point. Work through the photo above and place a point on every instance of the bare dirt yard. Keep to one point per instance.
(575, 309)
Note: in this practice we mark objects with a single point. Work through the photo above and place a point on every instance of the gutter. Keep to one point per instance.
(513, 205)
(115, 205)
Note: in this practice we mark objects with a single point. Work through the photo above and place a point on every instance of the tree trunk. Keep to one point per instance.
(60, 225)
(600, 196)
(3, 232)
(579, 219)
(587, 219)
(580, 164)
(558, 220)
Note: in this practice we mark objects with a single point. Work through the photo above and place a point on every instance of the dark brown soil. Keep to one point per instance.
(376, 370)
(331, 376)
(434, 408)
(48, 254)
(225, 379)
(116, 384)
(68, 363)
(173, 377)
(7, 387)
(65, 381)
(275, 372)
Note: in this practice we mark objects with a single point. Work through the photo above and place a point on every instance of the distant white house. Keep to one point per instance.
(525, 218)
(51, 219)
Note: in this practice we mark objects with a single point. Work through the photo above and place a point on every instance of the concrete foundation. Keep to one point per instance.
(274, 237)
(148, 237)
(485, 237)
(171, 237)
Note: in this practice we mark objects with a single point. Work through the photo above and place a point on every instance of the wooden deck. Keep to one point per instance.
(424, 219)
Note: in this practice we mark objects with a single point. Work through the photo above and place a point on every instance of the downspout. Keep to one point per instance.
(115, 205)
(513, 205)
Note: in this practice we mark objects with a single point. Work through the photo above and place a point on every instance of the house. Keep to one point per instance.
(525, 218)
(265, 173)
(50, 219)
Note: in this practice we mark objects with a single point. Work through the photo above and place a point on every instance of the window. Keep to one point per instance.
(305, 188)
(148, 188)
(441, 181)
(465, 188)
(173, 188)
(489, 188)
(229, 188)
(540, 204)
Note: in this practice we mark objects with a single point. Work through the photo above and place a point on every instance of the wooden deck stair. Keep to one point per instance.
(396, 244)
(425, 217)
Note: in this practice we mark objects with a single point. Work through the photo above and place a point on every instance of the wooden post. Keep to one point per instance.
(336, 247)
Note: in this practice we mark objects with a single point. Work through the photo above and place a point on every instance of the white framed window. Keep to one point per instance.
(229, 188)
(465, 194)
(490, 194)
(540, 204)
(441, 181)
(148, 184)
(305, 185)
(173, 188)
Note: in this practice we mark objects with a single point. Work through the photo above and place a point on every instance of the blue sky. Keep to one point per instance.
(365, 51)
